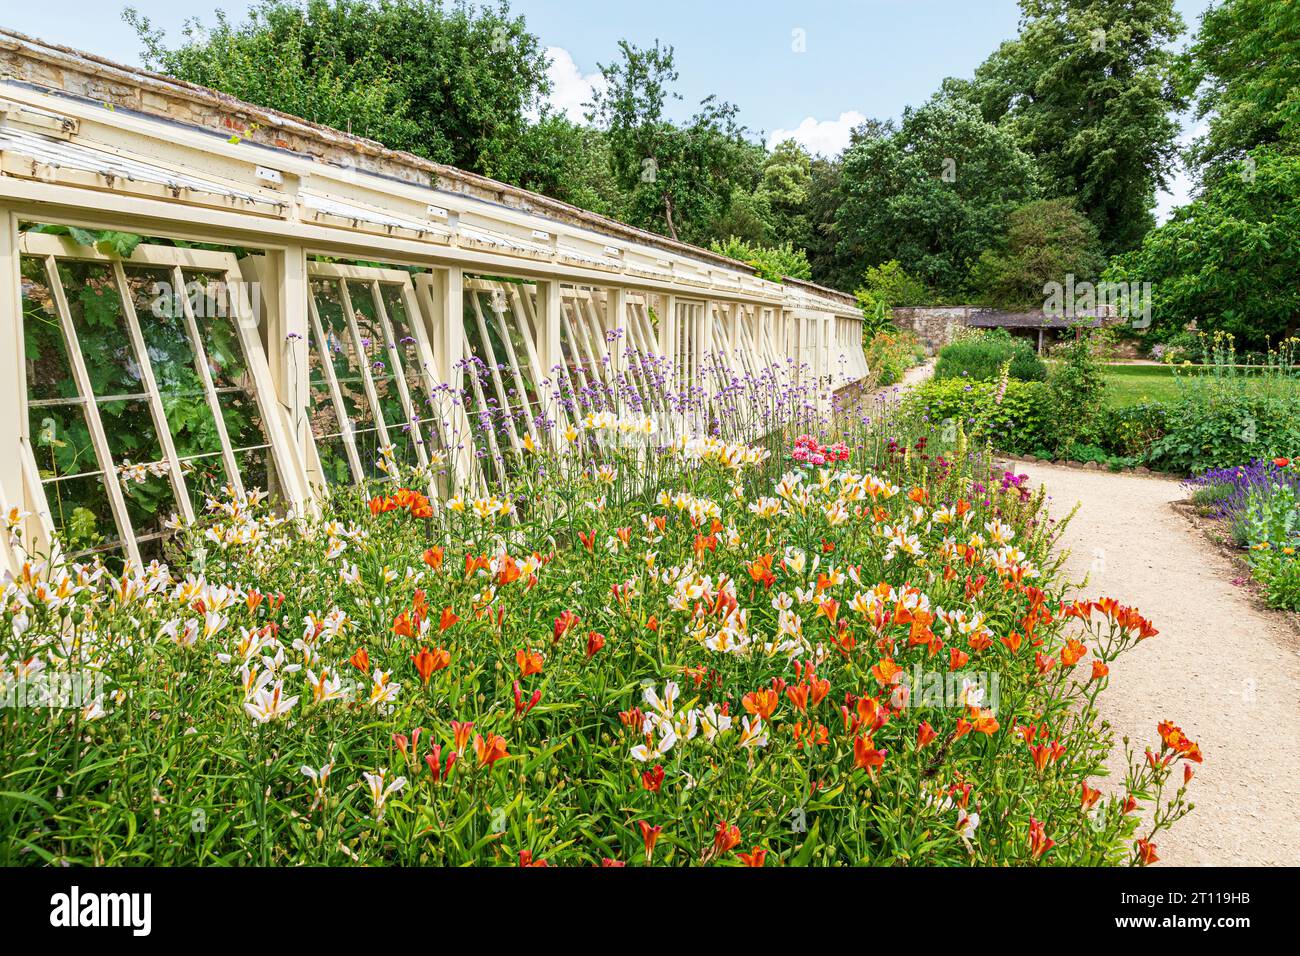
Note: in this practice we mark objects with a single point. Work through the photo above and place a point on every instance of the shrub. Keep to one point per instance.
(981, 357)
(1077, 388)
(1020, 422)
(1131, 431)
(1228, 425)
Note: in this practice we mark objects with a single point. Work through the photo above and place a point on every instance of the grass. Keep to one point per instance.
(1135, 384)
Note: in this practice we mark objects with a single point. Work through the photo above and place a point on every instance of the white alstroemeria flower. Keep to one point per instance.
(381, 789)
(269, 703)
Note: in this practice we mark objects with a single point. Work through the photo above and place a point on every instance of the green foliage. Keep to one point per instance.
(1216, 427)
(677, 178)
(981, 358)
(1243, 69)
(1087, 90)
(932, 194)
(1230, 259)
(452, 83)
(1130, 431)
(1020, 422)
(1046, 240)
(1077, 389)
(887, 285)
(772, 263)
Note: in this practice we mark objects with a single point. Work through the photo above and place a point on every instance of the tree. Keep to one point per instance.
(786, 180)
(1243, 69)
(1047, 240)
(1087, 90)
(773, 263)
(1230, 259)
(678, 178)
(820, 238)
(452, 84)
(887, 285)
(569, 162)
(933, 194)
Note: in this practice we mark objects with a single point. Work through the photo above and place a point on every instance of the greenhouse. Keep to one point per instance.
(202, 294)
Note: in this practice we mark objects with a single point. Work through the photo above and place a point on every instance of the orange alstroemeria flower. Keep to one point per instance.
(885, 671)
(755, 857)
(433, 557)
(427, 661)
(529, 661)
(595, 641)
(1099, 669)
(761, 702)
(360, 660)
(446, 619)
(725, 838)
(866, 756)
(649, 836)
(460, 734)
(1039, 841)
(1146, 852)
(1088, 796)
(924, 734)
(490, 749)
(564, 622)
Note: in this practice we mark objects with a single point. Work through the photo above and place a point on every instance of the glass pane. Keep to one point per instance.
(210, 300)
(49, 372)
(171, 353)
(341, 349)
(395, 305)
(61, 440)
(206, 478)
(142, 473)
(101, 328)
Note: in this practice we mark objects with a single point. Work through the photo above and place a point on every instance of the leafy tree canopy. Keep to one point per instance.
(1047, 240)
(1229, 260)
(1087, 90)
(1243, 69)
(933, 193)
(452, 83)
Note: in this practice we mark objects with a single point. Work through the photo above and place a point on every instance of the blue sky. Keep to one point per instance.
(812, 68)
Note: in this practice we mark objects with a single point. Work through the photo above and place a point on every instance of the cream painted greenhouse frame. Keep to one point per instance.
(100, 146)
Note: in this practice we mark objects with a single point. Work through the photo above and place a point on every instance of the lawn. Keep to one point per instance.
(1134, 384)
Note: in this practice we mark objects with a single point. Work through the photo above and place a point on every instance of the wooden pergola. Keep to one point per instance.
(307, 305)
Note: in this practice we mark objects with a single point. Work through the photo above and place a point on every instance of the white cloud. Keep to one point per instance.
(571, 88)
(828, 137)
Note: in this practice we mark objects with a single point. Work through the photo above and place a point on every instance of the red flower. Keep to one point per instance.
(526, 859)
(756, 857)
(427, 661)
(522, 708)
(529, 661)
(652, 780)
(649, 836)
(1039, 841)
(595, 641)
(564, 623)
(725, 838)
(1146, 852)
(924, 734)
(490, 749)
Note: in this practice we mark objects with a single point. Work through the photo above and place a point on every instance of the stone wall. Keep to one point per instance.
(933, 324)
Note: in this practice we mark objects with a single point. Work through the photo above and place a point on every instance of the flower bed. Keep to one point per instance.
(705, 654)
(1260, 504)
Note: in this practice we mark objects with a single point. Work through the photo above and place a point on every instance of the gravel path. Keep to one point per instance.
(1225, 670)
